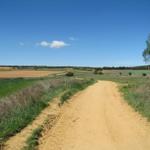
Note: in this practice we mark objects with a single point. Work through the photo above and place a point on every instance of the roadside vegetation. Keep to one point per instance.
(32, 141)
(136, 90)
(21, 107)
(71, 87)
(21, 100)
(75, 87)
(134, 85)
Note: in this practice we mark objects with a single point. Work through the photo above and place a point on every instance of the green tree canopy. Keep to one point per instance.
(146, 52)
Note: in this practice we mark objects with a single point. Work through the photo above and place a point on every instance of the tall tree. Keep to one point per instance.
(146, 52)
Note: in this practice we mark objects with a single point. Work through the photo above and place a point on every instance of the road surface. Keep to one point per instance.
(98, 119)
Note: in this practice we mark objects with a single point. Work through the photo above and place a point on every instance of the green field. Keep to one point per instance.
(10, 86)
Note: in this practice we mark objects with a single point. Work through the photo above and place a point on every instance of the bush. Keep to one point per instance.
(144, 74)
(69, 74)
(130, 73)
(98, 71)
(120, 73)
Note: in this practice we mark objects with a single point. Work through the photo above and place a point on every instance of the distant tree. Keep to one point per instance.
(130, 73)
(146, 52)
(144, 74)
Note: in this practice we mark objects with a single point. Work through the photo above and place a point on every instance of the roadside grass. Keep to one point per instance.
(18, 112)
(71, 87)
(74, 88)
(135, 88)
(137, 94)
(32, 141)
(20, 109)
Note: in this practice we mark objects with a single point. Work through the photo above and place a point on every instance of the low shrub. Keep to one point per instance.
(144, 74)
(69, 74)
(130, 73)
(98, 71)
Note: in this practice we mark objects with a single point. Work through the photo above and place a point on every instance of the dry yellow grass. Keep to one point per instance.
(6, 68)
(26, 73)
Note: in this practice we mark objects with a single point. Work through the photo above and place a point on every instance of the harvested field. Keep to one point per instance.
(26, 73)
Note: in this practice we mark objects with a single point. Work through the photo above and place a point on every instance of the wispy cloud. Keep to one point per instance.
(53, 44)
(21, 44)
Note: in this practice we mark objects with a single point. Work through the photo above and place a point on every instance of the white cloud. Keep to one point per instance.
(53, 44)
(58, 44)
(44, 44)
(21, 43)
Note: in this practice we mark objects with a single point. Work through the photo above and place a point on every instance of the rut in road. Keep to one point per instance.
(98, 119)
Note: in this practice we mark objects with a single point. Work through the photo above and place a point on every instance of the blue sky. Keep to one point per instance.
(73, 32)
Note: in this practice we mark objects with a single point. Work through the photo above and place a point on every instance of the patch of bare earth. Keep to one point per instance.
(26, 73)
(98, 119)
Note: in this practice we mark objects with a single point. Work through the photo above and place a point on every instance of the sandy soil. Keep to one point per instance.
(98, 119)
(25, 73)
(50, 114)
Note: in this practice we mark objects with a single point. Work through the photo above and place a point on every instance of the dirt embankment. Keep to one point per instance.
(98, 119)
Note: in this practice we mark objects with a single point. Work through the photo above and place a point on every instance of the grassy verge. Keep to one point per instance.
(135, 88)
(32, 141)
(137, 94)
(20, 109)
(72, 87)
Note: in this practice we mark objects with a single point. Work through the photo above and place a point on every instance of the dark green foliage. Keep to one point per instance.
(98, 71)
(144, 74)
(69, 74)
(130, 73)
(146, 52)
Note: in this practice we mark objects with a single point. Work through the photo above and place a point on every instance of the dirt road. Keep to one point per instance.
(98, 119)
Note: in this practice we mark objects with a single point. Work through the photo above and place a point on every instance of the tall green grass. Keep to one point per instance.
(21, 109)
(32, 141)
(71, 87)
(18, 112)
